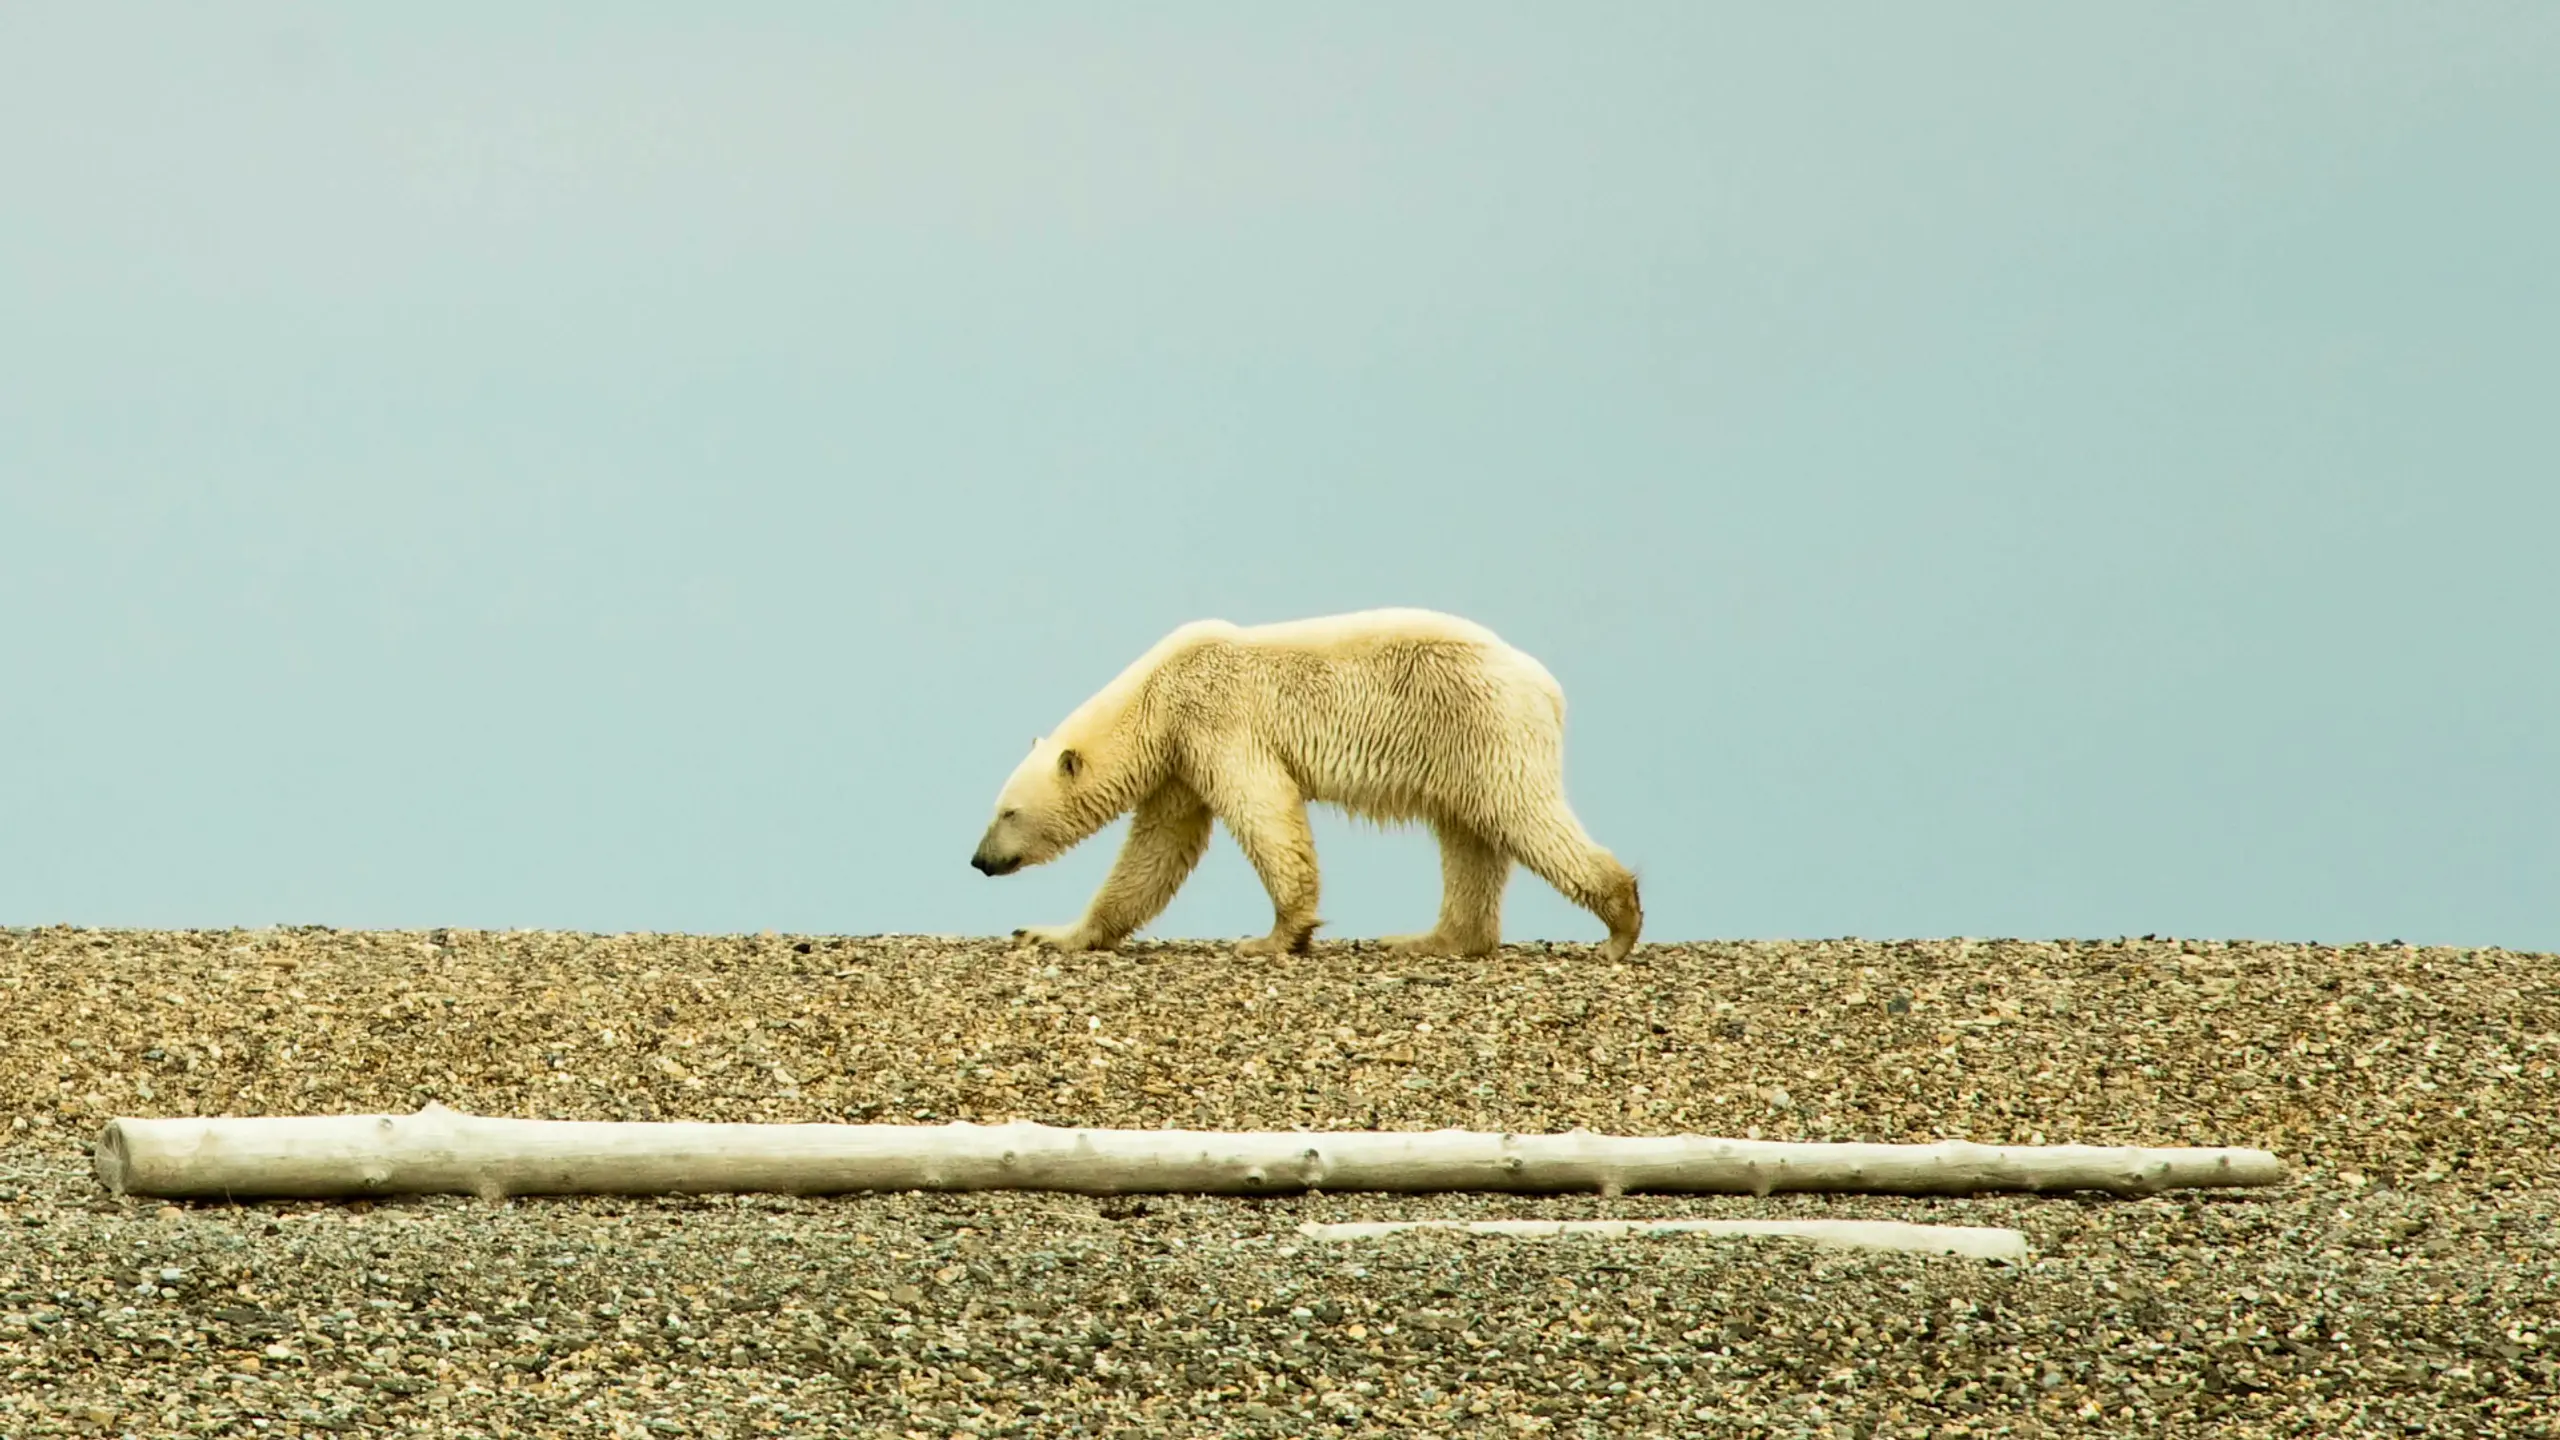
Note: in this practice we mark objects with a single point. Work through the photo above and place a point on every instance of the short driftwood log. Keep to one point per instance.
(441, 1151)
(1980, 1242)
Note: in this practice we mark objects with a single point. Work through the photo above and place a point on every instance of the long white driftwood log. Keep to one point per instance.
(441, 1151)
(1982, 1242)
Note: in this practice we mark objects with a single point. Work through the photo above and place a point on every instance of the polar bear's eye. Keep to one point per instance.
(1009, 814)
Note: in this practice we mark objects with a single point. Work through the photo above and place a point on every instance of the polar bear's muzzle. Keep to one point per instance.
(999, 853)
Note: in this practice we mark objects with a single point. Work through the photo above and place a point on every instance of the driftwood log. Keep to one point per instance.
(441, 1151)
(1981, 1242)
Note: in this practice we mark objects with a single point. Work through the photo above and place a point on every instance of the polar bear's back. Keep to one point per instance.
(1372, 646)
(1393, 711)
(1386, 624)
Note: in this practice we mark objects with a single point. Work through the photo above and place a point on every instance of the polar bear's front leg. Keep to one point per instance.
(1268, 816)
(1167, 837)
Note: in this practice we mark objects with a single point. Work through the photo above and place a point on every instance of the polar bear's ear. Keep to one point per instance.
(1070, 764)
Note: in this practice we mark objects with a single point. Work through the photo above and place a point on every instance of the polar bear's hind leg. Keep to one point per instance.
(1552, 844)
(1267, 813)
(1472, 875)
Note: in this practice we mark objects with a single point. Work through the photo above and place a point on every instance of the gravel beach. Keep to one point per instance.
(2405, 1280)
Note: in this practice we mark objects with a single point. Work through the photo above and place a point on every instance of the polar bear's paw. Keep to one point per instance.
(1435, 942)
(1283, 941)
(1060, 937)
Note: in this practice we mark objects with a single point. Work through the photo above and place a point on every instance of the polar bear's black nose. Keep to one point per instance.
(985, 866)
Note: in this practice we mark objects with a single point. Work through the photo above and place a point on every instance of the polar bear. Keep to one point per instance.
(1392, 715)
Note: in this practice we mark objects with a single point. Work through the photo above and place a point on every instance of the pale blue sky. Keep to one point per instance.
(1991, 470)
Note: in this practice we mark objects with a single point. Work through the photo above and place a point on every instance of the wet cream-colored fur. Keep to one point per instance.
(1394, 715)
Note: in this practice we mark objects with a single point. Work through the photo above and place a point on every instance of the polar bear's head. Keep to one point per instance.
(1042, 810)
